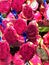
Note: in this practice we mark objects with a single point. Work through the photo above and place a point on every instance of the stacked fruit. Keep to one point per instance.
(20, 39)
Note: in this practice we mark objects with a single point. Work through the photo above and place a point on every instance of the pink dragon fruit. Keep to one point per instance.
(27, 12)
(32, 32)
(17, 60)
(10, 35)
(5, 6)
(17, 5)
(6, 61)
(20, 26)
(46, 38)
(27, 51)
(4, 50)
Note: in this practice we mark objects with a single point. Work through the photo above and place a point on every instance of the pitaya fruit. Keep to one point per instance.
(10, 35)
(27, 51)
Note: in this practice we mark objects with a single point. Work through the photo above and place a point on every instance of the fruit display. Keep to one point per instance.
(24, 32)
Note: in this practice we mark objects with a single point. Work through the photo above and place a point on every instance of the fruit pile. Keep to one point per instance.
(22, 41)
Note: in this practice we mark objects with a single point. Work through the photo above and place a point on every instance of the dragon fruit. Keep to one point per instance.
(4, 50)
(5, 6)
(10, 35)
(17, 60)
(27, 51)
(17, 5)
(32, 32)
(27, 12)
(20, 26)
(46, 38)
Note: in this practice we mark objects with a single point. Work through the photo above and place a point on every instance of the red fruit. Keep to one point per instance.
(6, 61)
(4, 50)
(46, 39)
(35, 60)
(17, 5)
(32, 32)
(27, 12)
(27, 51)
(5, 6)
(10, 35)
(17, 60)
(20, 26)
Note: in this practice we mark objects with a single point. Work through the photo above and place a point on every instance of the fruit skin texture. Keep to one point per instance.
(27, 12)
(5, 6)
(10, 35)
(27, 51)
(46, 38)
(32, 32)
(17, 5)
(4, 50)
(6, 61)
(17, 60)
(35, 60)
(20, 26)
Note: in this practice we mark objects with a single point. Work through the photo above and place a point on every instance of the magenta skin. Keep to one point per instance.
(46, 38)
(27, 12)
(5, 6)
(20, 26)
(10, 35)
(27, 51)
(4, 51)
(17, 5)
(17, 59)
(32, 32)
